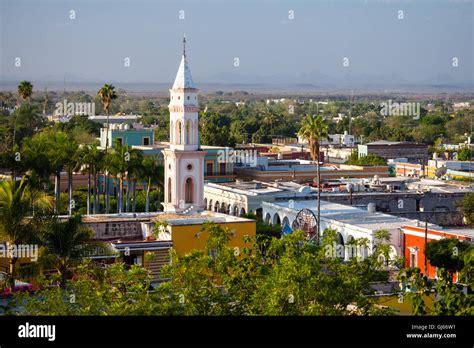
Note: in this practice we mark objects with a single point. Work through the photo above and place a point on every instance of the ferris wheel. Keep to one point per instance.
(307, 222)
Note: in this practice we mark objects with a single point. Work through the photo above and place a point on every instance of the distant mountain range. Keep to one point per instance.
(314, 81)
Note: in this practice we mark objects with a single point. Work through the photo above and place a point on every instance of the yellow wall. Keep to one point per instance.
(185, 241)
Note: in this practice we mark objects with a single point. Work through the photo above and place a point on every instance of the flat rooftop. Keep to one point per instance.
(350, 215)
(463, 231)
(171, 218)
(413, 186)
(197, 218)
(254, 188)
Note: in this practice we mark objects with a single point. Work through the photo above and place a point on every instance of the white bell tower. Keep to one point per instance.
(184, 162)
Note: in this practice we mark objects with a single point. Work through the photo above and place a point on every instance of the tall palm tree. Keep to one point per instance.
(45, 154)
(269, 118)
(107, 94)
(59, 154)
(17, 203)
(314, 129)
(90, 158)
(25, 90)
(118, 165)
(135, 169)
(152, 173)
(66, 243)
(72, 164)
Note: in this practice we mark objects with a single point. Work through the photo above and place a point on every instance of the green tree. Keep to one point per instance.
(25, 89)
(152, 173)
(65, 244)
(465, 154)
(448, 254)
(17, 204)
(467, 207)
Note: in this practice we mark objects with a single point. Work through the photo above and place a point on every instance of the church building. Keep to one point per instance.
(184, 159)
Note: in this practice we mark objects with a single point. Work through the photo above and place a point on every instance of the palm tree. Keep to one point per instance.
(72, 163)
(17, 203)
(135, 169)
(46, 152)
(66, 243)
(118, 165)
(60, 151)
(269, 118)
(152, 173)
(25, 90)
(107, 94)
(90, 158)
(313, 129)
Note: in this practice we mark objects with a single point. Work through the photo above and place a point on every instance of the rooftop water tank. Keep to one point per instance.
(371, 208)
(304, 189)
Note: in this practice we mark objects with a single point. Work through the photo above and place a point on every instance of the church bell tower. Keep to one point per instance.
(184, 162)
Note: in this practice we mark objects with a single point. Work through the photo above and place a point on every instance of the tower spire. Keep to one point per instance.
(184, 46)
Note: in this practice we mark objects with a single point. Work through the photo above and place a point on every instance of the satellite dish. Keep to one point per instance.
(441, 171)
(307, 222)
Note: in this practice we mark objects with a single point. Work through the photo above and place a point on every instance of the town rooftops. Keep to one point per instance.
(348, 215)
(255, 188)
(389, 143)
(171, 218)
(198, 218)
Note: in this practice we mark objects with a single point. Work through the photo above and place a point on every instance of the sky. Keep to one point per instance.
(231, 41)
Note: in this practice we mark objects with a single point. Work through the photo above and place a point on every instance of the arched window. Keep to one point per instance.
(190, 132)
(188, 191)
(169, 190)
(179, 131)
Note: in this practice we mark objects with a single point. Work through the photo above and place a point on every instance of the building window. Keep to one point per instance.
(222, 168)
(188, 97)
(146, 141)
(413, 256)
(189, 167)
(189, 188)
(209, 169)
(169, 190)
(119, 141)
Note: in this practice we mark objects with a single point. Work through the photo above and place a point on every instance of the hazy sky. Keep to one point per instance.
(309, 48)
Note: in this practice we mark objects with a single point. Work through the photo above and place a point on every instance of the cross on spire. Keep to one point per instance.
(184, 45)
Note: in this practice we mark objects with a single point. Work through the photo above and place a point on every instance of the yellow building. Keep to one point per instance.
(185, 232)
(181, 233)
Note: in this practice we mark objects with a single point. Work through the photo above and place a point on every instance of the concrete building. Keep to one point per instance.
(115, 119)
(125, 134)
(345, 140)
(132, 236)
(454, 169)
(415, 238)
(305, 171)
(413, 152)
(432, 200)
(239, 198)
(349, 222)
